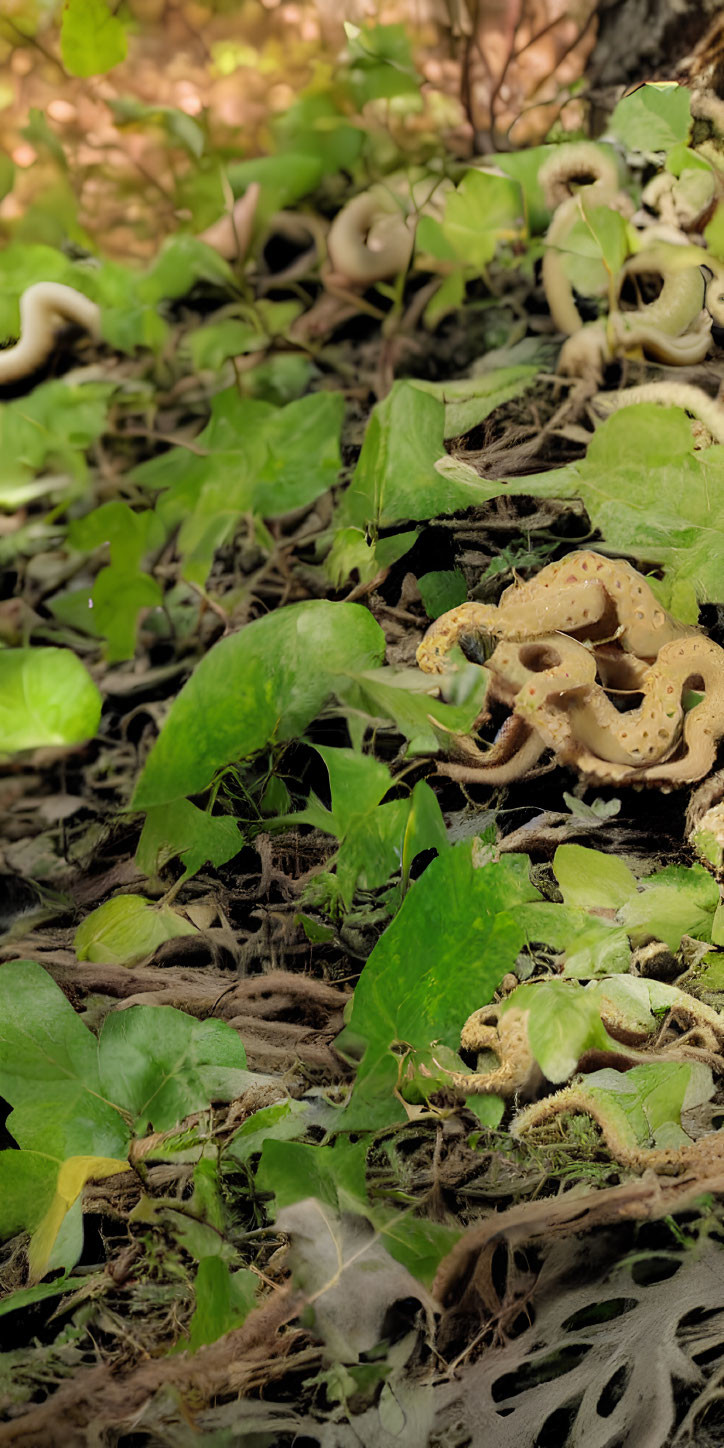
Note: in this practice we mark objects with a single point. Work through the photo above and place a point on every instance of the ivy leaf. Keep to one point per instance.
(74, 1098)
(642, 1107)
(243, 462)
(124, 930)
(652, 496)
(481, 212)
(224, 1300)
(265, 683)
(654, 117)
(92, 38)
(427, 971)
(159, 1065)
(181, 828)
(676, 901)
(46, 697)
(592, 879)
(397, 476)
(563, 1022)
(469, 400)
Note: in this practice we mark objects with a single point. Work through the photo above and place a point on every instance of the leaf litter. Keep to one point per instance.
(343, 1252)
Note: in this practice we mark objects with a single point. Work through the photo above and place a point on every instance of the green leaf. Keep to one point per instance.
(265, 683)
(92, 38)
(281, 1122)
(483, 211)
(428, 971)
(49, 1070)
(160, 1065)
(397, 474)
(334, 1175)
(381, 65)
(24, 1297)
(442, 591)
(126, 929)
(375, 839)
(592, 879)
(73, 1099)
(46, 697)
(563, 1022)
(595, 248)
(654, 117)
(243, 462)
(675, 901)
(315, 125)
(223, 1300)
(590, 946)
(643, 1106)
(128, 534)
(182, 829)
(283, 178)
(406, 700)
(51, 427)
(469, 400)
(652, 496)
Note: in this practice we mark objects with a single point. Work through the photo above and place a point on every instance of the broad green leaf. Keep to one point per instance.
(223, 1300)
(424, 828)
(159, 1064)
(469, 400)
(46, 697)
(676, 901)
(316, 126)
(128, 534)
(49, 1071)
(353, 551)
(375, 839)
(483, 211)
(595, 248)
(182, 829)
(380, 63)
(263, 684)
(27, 1179)
(126, 929)
(333, 1173)
(643, 1106)
(181, 264)
(591, 879)
(211, 345)
(654, 117)
(652, 496)
(563, 1022)
(590, 946)
(397, 476)
(428, 971)
(74, 1099)
(283, 178)
(92, 38)
(442, 591)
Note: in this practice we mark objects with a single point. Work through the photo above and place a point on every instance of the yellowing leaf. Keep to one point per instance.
(72, 1177)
